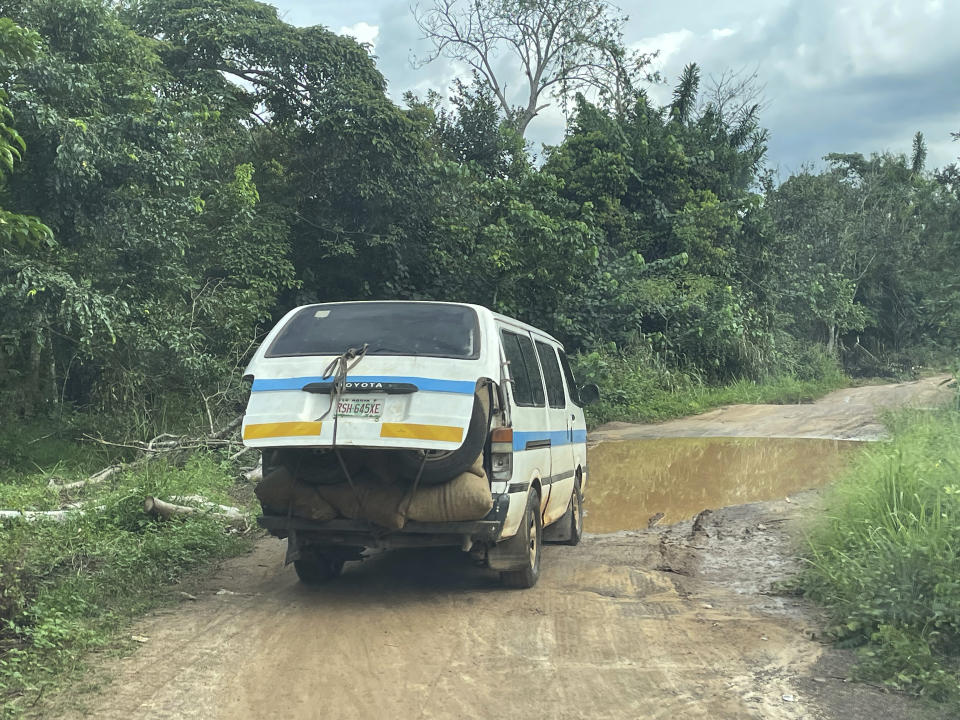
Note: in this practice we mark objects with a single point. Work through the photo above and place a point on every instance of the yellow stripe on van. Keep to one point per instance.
(281, 429)
(413, 431)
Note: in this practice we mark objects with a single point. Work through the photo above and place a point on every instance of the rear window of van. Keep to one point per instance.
(394, 328)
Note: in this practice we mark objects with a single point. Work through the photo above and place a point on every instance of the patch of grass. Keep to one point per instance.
(66, 587)
(44, 446)
(886, 559)
(634, 388)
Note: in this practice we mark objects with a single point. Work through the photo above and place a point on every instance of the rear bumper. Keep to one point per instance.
(360, 533)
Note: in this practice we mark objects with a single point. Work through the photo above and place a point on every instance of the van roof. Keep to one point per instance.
(479, 308)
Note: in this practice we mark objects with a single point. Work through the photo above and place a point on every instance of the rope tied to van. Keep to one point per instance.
(338, 369)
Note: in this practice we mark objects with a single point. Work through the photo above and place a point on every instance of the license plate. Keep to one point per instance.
(360, 407)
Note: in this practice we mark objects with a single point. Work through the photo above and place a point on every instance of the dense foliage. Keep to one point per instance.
(175, 174)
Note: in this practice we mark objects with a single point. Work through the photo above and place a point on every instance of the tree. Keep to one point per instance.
(473, 131)
(919, 156)
(682, 264)
(685, 94)
(561, 46)
(867, 251)
(165, 257)
(17, 45)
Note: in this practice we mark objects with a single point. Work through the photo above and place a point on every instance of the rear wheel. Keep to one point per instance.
(531, 536)
(576, 515)
(316, 568)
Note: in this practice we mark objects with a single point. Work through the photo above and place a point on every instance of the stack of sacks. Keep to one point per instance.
(378, 496)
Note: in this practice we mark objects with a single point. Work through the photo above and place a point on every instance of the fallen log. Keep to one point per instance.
(51, 515)
(242, 451)
(202, 502)
(166, 510)
(98, 477)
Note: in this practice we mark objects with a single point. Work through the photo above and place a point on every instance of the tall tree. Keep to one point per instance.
(685, 94)
(557, 47)
(919, 156)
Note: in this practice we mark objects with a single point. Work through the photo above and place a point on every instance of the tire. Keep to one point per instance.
(443, 466)
(576, 515)
(531, 528)
(314, 568)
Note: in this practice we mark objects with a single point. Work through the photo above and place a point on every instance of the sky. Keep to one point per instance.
(836, 75)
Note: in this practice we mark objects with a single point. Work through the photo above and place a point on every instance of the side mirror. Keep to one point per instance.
(589, 394)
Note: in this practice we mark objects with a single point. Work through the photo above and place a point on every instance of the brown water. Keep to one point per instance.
(630, 481)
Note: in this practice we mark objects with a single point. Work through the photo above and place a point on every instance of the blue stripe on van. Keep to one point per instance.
(458, 387)
(556, 438)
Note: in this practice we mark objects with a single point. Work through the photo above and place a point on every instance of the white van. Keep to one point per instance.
(434, 388)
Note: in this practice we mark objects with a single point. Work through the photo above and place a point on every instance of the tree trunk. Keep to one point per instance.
(832, 339)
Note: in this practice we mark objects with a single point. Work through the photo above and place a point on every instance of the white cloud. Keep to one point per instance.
(668, 44)
(363, 32)
(720, 33)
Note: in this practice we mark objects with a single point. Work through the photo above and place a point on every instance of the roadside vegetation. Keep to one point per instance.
(177, 174)
(885, 559)
(636, 388)
(70, 585)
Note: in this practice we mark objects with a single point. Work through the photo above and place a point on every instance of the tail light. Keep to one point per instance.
(501, 453)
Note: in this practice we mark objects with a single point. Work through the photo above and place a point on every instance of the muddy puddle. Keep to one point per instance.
(630, 481)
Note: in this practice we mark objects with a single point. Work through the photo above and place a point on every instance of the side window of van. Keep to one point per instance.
(551, 373)
(571, 383)
(527, 385)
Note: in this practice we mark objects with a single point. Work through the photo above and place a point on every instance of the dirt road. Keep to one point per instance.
(670, 622)
(848, 414)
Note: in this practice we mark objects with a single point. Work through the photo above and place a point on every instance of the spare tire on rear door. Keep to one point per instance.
(443, 465)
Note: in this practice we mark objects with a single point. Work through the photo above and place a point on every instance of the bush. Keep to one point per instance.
(636, 386)
(886, 560)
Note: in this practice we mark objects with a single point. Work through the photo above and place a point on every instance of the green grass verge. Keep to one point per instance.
(885, 560)
(635, 389)
(68, 587)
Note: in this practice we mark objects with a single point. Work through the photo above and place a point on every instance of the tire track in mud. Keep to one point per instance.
(590, 641)
(604, 635)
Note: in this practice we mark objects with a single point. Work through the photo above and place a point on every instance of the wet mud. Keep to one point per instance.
(636, 483)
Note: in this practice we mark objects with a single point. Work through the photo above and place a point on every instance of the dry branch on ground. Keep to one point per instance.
(166, 510)
(161, 445)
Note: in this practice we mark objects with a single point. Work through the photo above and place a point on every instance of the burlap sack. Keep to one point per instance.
(280, 494)
(324, 468)
(477, 467)
(466, 497)
(377, 497)
(367, 500)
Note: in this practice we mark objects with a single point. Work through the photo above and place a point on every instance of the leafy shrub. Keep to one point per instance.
(637, 386)
(885, 561)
